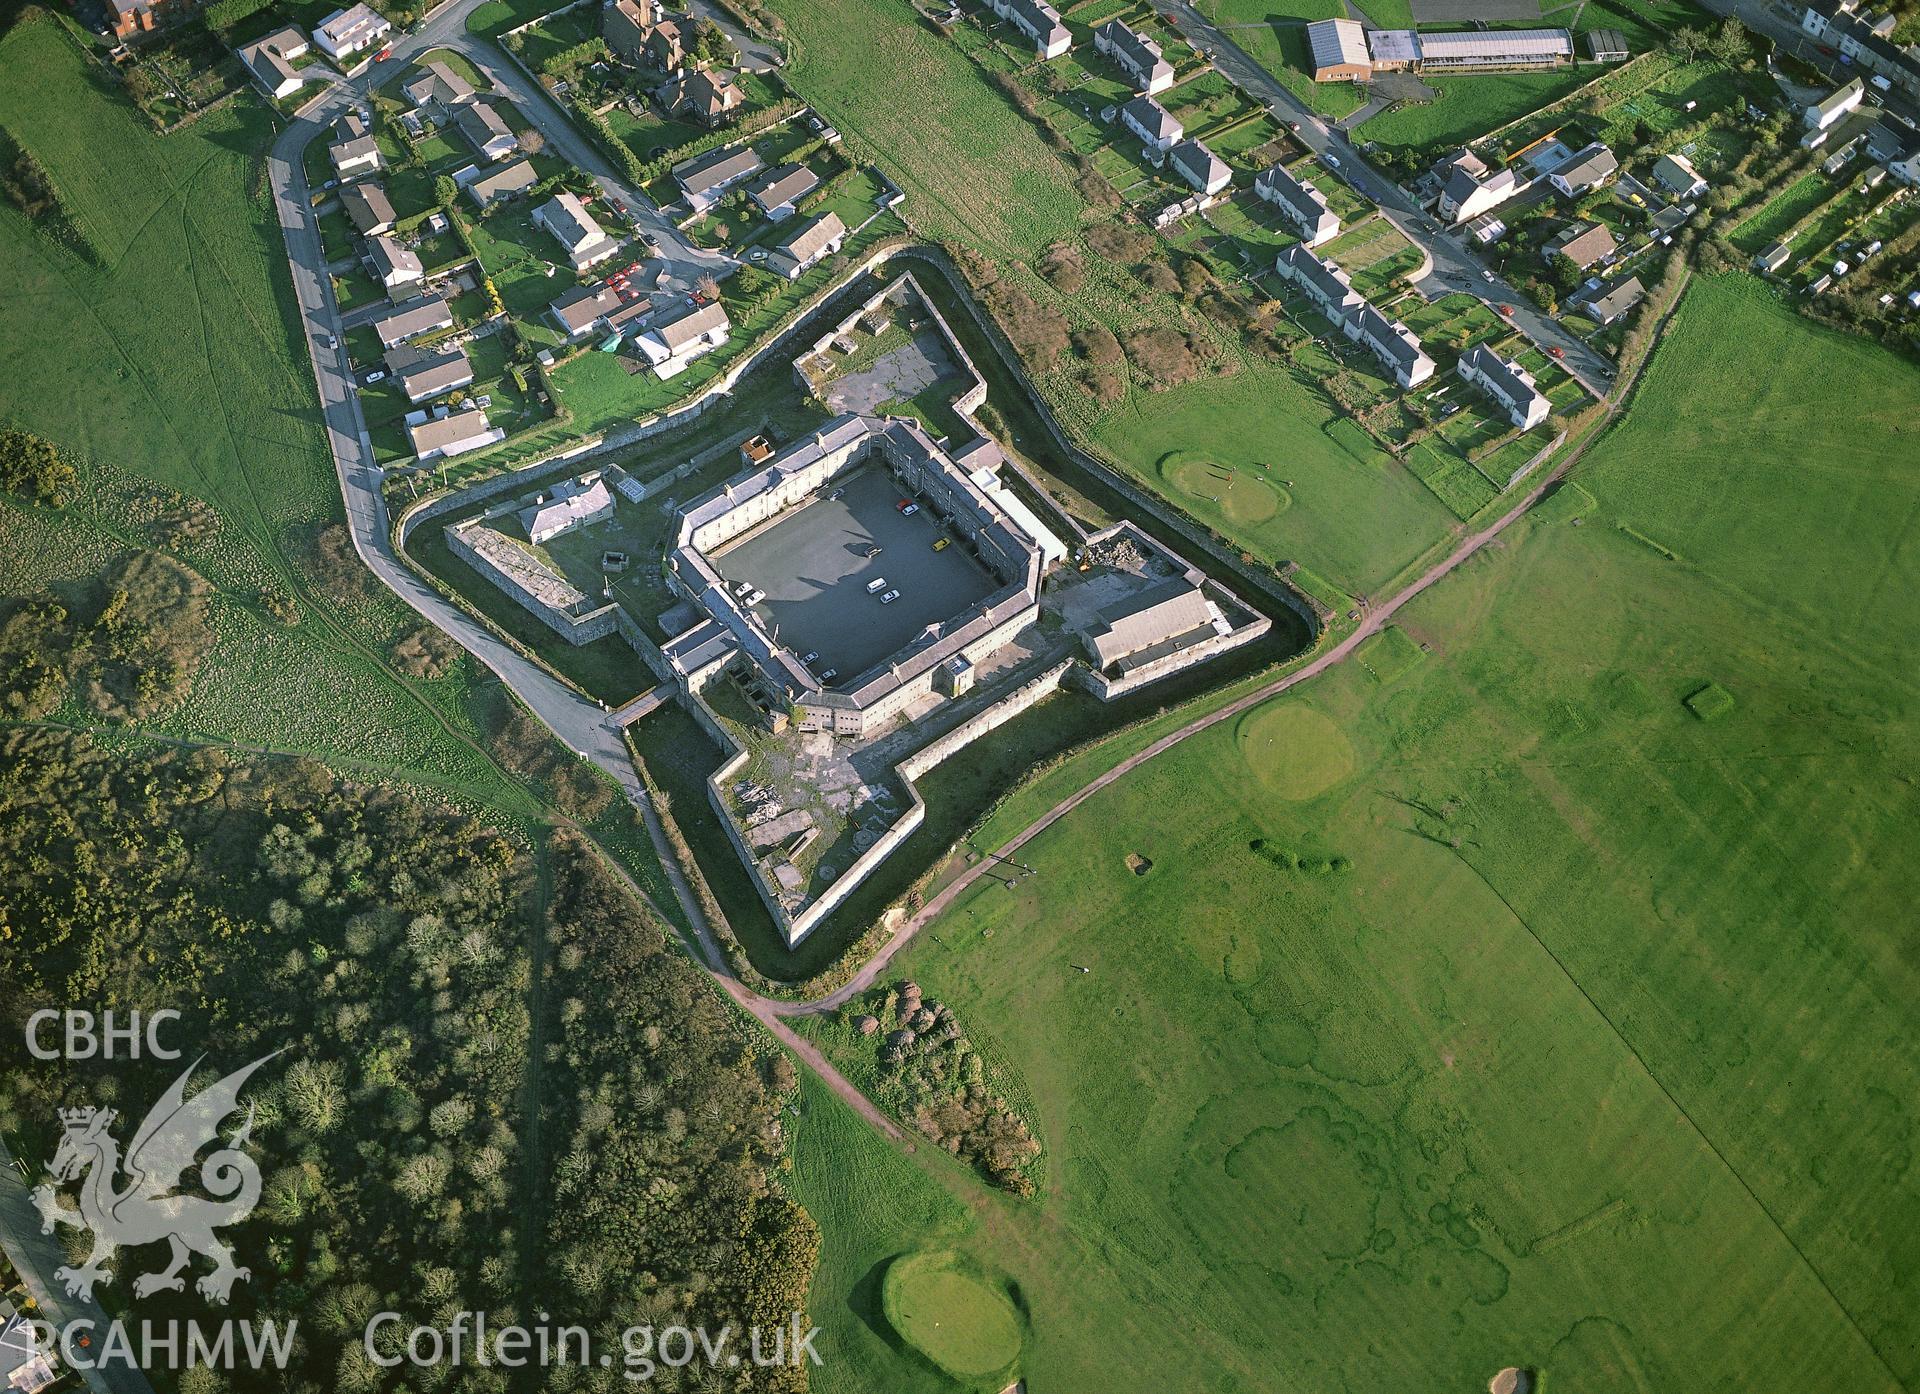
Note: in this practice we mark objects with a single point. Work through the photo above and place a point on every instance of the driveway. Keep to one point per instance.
(1455, 266)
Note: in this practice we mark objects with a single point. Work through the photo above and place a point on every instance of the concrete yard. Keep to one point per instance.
(812, 564)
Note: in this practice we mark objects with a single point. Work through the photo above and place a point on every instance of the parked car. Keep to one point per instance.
(940, 544)
(755, 597)
(889, 597)
(377, 375)
(809, 656)
(910, 510)
(873, 551)
(830, 675)
(878, 583)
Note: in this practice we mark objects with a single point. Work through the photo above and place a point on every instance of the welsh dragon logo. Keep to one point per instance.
(135, 1202)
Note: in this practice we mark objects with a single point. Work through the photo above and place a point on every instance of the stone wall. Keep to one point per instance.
(1111, 689)
(1162, 511)
(575, 629)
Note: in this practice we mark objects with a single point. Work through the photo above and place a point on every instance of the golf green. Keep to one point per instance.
(1293, 749)
(1239, 495)
(954, 1317)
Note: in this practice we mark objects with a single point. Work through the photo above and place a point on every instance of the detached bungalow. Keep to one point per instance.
(486, 131)
(1039, 21)
(1583, 244)
(392, 265)
(350, 31)
(568, 220)
(438, 85)
(574, 503)
(423, 373)
(1153, 123)
(776, 194)
(1300, 203)
(1135, 55)
(1616, 301)
(270, 60)
(807, 248)
(704, 178)
(502, 183)
(581, 310)
(1507, 383)
(1585, 172)
(683, 334)
(427, 314)
(1200, 167)
(456, 433)
(368, 208)
(1676, 174)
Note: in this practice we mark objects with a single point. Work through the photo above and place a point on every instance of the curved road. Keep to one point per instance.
(1454, 265)
(583, 724)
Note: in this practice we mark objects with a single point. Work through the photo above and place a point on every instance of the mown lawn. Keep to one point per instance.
(1546, 1024)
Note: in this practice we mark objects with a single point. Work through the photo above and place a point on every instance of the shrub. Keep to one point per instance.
(34, 468)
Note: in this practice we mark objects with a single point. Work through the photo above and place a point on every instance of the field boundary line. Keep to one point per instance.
(1681, 1109)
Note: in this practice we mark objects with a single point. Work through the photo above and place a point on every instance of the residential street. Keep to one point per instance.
(1455, 268)
(37, 1255)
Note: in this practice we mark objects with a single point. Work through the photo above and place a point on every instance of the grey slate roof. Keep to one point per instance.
(420, 316)
(716, 167)
(807, 243)
(1141, 53)
(783, 185)
(1153, 117)
(1200, 165)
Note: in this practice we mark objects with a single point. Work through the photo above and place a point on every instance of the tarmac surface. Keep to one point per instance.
(813, 565)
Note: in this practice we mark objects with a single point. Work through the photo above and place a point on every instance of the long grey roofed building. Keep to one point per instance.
(1148, 617)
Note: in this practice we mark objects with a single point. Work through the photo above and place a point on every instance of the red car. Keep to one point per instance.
(1507, 310)
(1557, 351)
(384, 54)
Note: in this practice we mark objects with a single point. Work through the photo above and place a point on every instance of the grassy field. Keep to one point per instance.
(1274, 35)
(1491, 1007)
(1469, 107)
(1357, 521)
(170, 366)
(175, 366)
(973, 170)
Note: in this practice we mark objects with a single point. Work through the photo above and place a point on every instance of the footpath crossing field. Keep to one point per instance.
(1493, 1006)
